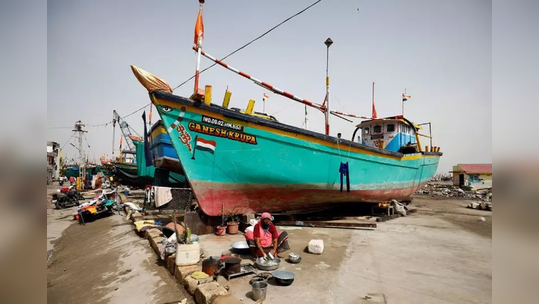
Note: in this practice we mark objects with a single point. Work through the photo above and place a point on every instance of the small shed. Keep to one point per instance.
(472, 175)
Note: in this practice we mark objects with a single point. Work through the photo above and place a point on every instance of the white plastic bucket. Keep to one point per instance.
(187, 254)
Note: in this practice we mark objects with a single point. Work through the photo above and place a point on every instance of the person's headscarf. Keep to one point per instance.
(265, 215)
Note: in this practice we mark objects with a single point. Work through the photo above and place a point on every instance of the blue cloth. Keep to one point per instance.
(344, 171)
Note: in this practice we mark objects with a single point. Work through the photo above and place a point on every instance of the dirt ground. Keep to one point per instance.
(439, 254)
(104, 261)
(454, 211)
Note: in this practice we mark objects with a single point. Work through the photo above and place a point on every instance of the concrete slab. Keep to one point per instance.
(436, 256)
(212, 244)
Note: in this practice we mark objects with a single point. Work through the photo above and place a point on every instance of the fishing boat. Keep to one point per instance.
(151, 175)
(162, 151)
(237, 162)
(124, 170)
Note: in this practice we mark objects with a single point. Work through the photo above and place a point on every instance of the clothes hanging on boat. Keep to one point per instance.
(345, 172)
(162, 196)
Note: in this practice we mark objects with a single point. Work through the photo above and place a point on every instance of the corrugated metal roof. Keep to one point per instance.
(476, 168)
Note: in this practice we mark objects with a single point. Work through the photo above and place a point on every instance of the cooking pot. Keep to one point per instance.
(283, 277)
(210, 265)
(232, 265)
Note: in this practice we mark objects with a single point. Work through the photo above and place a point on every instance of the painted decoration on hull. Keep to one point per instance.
(224, 133)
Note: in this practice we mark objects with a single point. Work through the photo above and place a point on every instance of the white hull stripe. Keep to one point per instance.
(204, 145)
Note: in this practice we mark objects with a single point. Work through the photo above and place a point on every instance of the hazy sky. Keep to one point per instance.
(439, 50)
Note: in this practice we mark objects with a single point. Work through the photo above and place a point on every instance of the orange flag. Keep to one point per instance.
(121, 142)
(199, 27)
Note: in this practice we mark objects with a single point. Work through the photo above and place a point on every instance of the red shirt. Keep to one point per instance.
(272, 229)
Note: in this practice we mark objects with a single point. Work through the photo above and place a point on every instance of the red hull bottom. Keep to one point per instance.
(239, 199)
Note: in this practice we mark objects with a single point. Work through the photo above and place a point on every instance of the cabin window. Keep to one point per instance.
(391, 128)
(377, 129)
(404, 129)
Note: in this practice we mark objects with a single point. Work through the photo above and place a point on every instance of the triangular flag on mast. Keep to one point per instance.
(199, 26)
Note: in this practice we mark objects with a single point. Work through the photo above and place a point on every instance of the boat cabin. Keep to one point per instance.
(391, 133)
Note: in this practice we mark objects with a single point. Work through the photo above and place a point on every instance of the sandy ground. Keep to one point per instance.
(104, 262)
(440, 254)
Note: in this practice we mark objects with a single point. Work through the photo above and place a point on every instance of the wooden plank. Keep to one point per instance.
(326, 224)
(337, 217)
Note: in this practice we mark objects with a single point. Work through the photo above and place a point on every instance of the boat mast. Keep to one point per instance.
(374, 114)
(403, 99)
(328, 43)
(113, 133)
(199, 34)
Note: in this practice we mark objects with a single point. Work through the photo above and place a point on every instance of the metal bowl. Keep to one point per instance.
(241, 247)
(269, 267)
(283, 277)
(294, 258)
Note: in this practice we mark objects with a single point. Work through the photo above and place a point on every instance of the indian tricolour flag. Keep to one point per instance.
(204, 145)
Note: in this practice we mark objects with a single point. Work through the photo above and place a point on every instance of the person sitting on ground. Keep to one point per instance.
(266, 239)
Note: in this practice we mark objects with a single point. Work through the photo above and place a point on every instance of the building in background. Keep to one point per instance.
(476, 176)
(53, 160)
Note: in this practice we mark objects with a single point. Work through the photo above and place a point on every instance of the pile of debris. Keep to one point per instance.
(484, 195)
(480, 206)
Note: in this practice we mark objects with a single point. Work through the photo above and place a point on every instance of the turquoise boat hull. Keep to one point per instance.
(238, 163)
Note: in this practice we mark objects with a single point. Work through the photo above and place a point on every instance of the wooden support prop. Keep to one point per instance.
(326, 224)
(207, 94)
(250, 107)
(226, 99)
